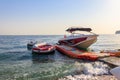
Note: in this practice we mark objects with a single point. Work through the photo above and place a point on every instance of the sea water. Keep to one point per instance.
(18, 63)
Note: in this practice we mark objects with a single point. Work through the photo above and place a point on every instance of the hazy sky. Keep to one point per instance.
(31, 17)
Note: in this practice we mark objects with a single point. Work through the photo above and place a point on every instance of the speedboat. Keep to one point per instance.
(43, 48)
(82, 41)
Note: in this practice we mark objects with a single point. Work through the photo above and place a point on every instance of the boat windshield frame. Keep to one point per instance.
(73, 33)
(72, 30)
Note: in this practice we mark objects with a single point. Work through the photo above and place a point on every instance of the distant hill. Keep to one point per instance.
(117, 32)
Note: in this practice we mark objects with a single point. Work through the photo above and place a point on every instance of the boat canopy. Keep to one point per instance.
(78, 29)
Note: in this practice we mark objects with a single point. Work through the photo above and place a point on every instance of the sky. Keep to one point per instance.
(53, 17)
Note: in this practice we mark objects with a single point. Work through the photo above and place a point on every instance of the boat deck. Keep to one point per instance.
(111, 60)
(76, 53)
(81, 54)
(72, 49)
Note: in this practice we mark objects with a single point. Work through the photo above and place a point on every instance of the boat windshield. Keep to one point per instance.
(82, 33)
(78, 32)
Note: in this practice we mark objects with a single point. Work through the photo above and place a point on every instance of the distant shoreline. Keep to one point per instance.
(117, 32)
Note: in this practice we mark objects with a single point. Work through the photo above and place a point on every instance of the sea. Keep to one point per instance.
(18, 63)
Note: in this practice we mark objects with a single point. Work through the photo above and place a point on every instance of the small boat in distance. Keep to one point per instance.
(117, 32)
(82, 41)
(30, 45)
(43, 48)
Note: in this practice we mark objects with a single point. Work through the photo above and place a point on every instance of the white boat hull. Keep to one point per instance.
(88, 42)
(83, 42)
